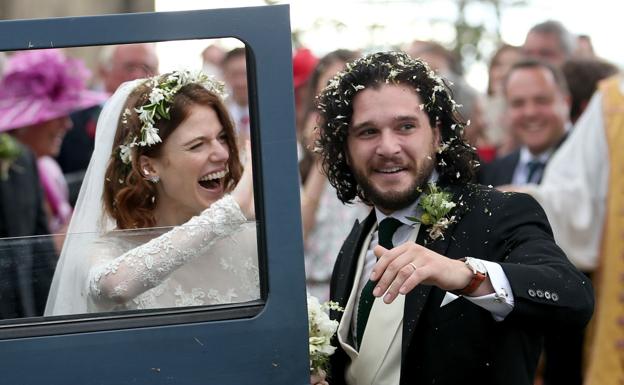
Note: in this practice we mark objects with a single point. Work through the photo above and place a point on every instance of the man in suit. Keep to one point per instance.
(417, 311)
(582, 195)
(537, 105)
(117, 64)
(234, 67)
(551, 42)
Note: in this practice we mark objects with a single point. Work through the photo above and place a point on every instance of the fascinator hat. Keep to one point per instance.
(42, 85)
(304, 63)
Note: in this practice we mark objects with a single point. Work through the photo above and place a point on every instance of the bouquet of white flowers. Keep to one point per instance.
(321, 330)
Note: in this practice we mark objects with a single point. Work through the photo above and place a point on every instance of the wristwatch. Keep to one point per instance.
(479, 273)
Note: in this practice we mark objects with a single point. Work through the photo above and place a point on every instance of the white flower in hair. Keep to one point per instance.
(164, 89)
(125, 153)
(150, 136)
(145, 116)
(156, 96)
(185, 77)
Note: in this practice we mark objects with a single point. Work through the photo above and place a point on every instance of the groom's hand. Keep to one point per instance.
(401, 269)
(318, 378)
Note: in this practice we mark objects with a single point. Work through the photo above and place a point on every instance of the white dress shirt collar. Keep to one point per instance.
(526, 156)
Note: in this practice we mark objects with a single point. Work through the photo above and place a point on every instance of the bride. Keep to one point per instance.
(161, 219)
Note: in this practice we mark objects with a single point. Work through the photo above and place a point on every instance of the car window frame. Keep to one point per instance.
(265, 31)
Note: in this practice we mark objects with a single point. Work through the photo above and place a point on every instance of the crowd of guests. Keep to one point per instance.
(529, 129)
(535, 98)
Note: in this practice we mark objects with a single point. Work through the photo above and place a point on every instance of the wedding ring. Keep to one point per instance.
(412, 265)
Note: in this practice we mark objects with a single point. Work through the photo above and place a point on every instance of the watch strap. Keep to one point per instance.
(476, 281)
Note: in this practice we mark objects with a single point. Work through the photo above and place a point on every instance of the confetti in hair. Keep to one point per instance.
(373, 71)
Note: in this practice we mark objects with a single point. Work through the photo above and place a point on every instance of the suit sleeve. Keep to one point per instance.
(548, 290)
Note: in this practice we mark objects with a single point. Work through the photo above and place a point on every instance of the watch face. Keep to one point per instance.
(476, 265)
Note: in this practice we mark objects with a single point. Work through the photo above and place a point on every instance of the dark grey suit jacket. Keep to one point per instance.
(26, 264)
(500, 171)
(461, 343)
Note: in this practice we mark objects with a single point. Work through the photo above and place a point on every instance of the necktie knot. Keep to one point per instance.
(386, 230)
(535, 168)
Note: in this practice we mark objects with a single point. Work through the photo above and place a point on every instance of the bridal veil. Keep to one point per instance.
(68, 291)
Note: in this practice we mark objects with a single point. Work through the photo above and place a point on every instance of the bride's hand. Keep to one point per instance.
(243, 192)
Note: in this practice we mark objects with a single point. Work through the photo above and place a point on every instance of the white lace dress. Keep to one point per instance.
(211, 259)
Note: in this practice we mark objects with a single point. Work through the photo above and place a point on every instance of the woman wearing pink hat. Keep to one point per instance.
(39, 90)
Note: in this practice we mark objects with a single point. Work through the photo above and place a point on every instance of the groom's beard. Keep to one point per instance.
(390, 201)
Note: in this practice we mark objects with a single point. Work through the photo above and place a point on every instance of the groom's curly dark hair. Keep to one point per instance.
(455, 162)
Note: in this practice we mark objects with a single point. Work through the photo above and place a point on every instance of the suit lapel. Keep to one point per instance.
(510, 169)
(416, 300)
(344, 334)
(344, 271)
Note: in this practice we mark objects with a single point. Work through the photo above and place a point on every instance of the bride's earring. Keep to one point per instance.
(151, 178)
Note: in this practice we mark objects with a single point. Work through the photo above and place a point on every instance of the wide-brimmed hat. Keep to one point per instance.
(42, 85)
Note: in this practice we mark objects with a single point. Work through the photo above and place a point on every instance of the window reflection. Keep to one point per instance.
(164, 216)
(157, 268)
(26, 269)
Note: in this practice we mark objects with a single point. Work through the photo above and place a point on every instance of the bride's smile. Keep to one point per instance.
(192, 166)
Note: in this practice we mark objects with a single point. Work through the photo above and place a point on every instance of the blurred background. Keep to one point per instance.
(520, 113)
(471, 29)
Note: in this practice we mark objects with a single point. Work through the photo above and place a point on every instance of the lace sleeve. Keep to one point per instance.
(146, 266)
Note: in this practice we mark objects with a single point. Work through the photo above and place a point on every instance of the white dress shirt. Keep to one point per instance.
(521, 173)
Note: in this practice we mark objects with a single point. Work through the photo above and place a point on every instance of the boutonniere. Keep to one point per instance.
(436, 204)
(9, 151)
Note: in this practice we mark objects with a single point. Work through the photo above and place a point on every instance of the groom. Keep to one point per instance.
(445, 282)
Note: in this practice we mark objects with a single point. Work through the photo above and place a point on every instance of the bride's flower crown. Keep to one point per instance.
(164, 89)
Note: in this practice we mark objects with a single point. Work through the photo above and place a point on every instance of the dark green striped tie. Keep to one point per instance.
(535, 168)
(387, 227)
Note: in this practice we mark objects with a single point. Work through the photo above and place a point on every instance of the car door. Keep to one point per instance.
(255, 342)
